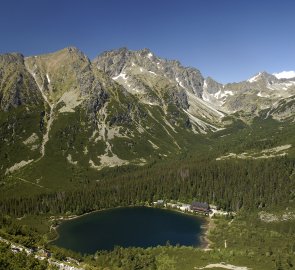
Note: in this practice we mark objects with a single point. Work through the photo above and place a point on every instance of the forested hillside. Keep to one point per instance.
(231, 185)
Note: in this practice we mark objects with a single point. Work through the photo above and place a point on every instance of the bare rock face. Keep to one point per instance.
(17, 87)
(159, 82)
(162, 82)
(115, 62)
(63, 71)
(282, 110)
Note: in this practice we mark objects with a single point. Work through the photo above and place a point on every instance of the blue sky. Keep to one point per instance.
(229, 40)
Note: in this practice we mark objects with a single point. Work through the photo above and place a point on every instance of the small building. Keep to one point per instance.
(185, 207)
(159, 203)
(171, 205)
(201, 207)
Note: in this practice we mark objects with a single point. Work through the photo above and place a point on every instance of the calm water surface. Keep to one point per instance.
(129, 227)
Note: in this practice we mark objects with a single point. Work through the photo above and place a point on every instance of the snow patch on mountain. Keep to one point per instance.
(152, 73)
(254, 78)
(150, 55)
(223, 94)
(121, 75)
(48, 79)
(263, 95)
(179, 82)
(205, 96)
(196, 102)
(228, 92)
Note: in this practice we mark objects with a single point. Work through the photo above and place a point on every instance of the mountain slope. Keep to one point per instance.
(22, 114)
(160, 82)
(64, 117)
(89, 121)
(16, 86)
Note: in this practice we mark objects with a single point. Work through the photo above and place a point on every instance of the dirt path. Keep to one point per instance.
(210, 226)
(26, 181)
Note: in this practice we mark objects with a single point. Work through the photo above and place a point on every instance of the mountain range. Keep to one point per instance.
(124, 107)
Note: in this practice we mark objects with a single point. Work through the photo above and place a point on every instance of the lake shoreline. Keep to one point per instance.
(207, 242)
(205, 229)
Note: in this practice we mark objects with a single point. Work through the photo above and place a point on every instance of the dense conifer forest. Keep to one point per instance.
(230, 185)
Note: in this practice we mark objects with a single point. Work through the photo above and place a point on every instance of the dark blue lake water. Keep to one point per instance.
(129, 227)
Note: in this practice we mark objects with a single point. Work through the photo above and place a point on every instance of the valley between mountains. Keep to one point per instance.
(129, 128)
(123, 108)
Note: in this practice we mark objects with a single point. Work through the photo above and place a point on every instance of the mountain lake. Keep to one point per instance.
(130, 227)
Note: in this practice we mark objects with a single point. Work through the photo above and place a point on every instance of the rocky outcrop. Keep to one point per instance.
(251, 96)
(159, 82)
(17, 87)
(116, 61)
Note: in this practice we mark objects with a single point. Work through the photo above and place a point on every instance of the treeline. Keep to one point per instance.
(231, 185)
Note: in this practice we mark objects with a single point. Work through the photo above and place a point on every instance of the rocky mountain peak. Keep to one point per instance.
(263, 77)
(63, 75)
(120, 61)
(211, 85)
(145, 51)
(70, 54)
(16, 86)
(72, 50)
(16, 58)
